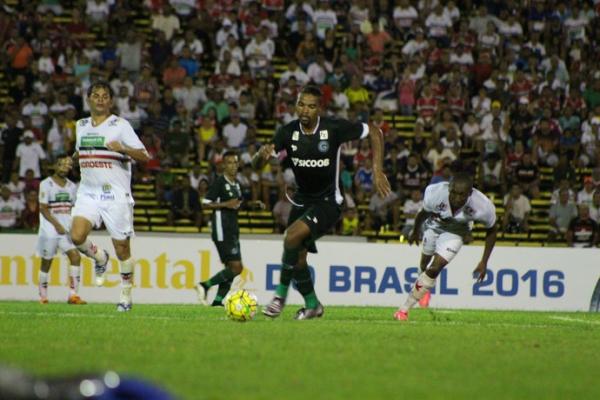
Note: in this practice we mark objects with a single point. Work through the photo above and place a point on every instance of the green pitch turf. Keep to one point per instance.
(352, 353)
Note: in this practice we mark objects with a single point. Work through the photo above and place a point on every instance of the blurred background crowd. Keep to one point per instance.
(507, 90)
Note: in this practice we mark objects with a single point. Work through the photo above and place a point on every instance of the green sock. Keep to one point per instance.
(310, 300)
(305, 287)
(222, 276)
(287, 272)
(222, 292)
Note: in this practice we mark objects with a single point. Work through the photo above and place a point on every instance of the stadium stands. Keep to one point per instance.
(465, 84)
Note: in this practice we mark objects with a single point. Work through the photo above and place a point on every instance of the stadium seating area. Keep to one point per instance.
(475, 86)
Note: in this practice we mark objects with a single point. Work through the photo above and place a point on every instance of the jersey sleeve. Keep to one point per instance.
(44, 195)
(279, 139)
(129, 137)
(488, 217)
(213, 192)
(429, 199)
(347, 130)
(77, 134)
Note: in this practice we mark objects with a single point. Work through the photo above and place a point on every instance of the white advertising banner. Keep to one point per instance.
(167, 268)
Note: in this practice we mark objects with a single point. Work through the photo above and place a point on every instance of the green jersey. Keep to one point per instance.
(224, 220)
(315, 157)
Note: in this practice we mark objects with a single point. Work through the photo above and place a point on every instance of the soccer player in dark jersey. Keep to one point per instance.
(312, 143)
(224, 197)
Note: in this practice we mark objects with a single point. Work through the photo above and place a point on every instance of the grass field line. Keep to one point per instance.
(435, 321)
(569, 319)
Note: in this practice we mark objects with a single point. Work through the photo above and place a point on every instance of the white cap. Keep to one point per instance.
(28, 134)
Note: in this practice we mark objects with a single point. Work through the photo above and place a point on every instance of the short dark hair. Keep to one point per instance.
(312, 90)
(100, 84)
(230, 153)
(464, 178)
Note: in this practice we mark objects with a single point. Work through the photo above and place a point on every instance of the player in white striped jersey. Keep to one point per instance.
(449, 210)
(106, 146)
(57, 196)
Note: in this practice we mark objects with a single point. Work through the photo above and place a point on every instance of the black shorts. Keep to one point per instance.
(229, 250)
(320, 216)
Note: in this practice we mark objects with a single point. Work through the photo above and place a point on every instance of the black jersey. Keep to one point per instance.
(224, 220)
(315, 158)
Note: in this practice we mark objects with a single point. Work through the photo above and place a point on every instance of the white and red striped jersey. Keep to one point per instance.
(105, 174)
(60, 200)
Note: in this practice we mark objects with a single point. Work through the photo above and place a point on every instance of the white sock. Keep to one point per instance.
(92, 251)
(43, 284)
(74, 279)
(127, 272)
(423, 284)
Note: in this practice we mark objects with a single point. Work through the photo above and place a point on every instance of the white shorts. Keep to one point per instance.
(444, 244)
(117, 216)
(46, 246)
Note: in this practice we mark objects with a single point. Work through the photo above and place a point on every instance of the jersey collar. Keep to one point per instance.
(314, 130)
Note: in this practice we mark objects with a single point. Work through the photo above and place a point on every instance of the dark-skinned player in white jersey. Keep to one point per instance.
(312, 143)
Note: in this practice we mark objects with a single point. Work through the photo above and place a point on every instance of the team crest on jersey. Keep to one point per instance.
(227, 187)
(441, 207)
(295, 135)
(323, 135)
(113, 122)
(294, 147)
(468, 211)
(83, 122)
(323, 146)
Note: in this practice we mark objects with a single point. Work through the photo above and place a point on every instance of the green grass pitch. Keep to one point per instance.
(351, 353)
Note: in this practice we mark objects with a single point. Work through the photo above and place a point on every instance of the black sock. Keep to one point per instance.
(222, 276)
(221, 293)
(305, 286)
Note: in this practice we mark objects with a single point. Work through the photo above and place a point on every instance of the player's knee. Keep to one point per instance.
(123, 252)
(236, 267)
(78, 238)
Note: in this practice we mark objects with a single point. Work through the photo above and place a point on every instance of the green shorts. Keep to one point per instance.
(320, 216)
(229, 250)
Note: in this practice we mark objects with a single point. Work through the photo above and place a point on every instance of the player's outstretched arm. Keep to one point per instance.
(415, 235)
(262, 156)
(139, 155)
(490, 241)
(382, 186)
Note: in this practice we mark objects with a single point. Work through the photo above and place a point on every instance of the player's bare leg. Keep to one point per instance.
(123, 251)
(80, 229)
(43, 285)
(425, 260)
(424, 283)
(74, 277)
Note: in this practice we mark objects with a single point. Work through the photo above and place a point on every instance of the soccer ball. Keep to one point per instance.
(240, 305)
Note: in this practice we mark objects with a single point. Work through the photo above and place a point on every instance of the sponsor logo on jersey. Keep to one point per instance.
(95, 164)
(324, 162)
(93, 141)
(106, 188)
(63, 196)
(295, 136)
(323, 135)
(106, 196)
(323, 146)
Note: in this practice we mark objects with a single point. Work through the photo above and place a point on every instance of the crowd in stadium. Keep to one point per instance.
(498, 88)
